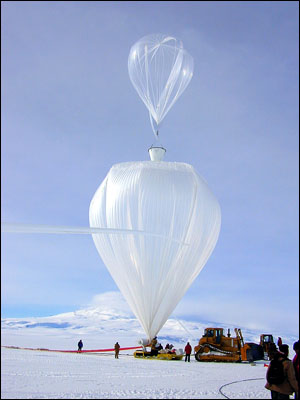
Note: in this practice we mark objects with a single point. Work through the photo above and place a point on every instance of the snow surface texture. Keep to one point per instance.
(42, 375)
(49, 375)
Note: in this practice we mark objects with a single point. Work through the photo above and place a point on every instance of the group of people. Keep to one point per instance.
(155, 348)
(169, 349)
(158, 348)
(279, 389)
(283, 373)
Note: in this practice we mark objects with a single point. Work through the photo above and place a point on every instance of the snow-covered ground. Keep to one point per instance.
(41, 374)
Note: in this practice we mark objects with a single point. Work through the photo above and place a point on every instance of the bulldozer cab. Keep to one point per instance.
(214, 333)
(266, 339)
(268, 345)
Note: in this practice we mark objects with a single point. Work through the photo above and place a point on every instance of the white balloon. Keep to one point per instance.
(167, 199)
(160, 70)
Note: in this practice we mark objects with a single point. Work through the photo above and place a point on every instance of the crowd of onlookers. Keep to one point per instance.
(283, 373)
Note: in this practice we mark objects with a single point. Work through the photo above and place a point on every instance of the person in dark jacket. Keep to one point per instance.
(290, 384)
(80, 345)
(117, 349)
(153, 346)
(188, 350)
(296, 361)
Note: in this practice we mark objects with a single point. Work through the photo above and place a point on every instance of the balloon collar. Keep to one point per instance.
(157, 153)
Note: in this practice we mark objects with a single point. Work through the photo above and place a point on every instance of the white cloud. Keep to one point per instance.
(110, 301)
(255, 315)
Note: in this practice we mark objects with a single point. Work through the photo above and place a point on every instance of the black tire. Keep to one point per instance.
(249, 355)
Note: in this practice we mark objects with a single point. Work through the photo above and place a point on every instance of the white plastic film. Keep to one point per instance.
(166, 198)
(160, 70)
(56, 230)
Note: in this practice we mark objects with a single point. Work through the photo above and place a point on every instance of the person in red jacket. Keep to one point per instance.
(188, 350)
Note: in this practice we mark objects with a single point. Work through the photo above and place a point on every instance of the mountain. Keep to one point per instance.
(101, 325)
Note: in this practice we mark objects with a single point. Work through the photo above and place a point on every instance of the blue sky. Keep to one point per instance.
(69, 112)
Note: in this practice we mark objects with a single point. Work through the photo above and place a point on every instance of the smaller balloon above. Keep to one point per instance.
(160, 70)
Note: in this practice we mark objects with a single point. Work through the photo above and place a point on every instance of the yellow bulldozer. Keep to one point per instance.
(215, 346)
(268, 345)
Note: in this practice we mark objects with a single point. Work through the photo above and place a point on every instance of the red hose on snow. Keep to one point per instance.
(75, 351)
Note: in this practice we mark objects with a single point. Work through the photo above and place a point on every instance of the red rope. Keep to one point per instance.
(74, 351)
(95, 351)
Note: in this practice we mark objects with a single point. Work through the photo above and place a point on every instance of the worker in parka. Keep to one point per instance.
(80, 345)
(188, 350)
(117, 349)
(153, 346)
(290, 384)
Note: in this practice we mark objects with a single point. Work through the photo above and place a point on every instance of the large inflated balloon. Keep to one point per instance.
(173, 204)
(160, 70)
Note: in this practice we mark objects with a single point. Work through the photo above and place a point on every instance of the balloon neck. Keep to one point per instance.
(157, 153)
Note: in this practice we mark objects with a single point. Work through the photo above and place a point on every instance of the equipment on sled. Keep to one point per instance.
(159, 356)
(157, 352)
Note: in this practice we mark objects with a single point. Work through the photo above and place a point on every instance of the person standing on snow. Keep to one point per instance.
(188, 350)
(289, 385)
(153, 347)
(80, 345)
(296, 361)
(117, 349)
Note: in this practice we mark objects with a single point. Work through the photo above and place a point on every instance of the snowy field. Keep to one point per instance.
(42, 375)
(39, 374)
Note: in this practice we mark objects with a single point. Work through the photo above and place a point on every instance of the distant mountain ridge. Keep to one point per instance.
(112, 322)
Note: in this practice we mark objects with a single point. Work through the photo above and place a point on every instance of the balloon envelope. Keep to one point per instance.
(160, 70)
(165, 198)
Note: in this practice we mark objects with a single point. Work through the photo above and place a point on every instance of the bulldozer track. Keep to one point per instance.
(215, 349)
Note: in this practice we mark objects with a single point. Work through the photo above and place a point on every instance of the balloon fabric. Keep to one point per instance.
(167, 199)
(160, 69)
